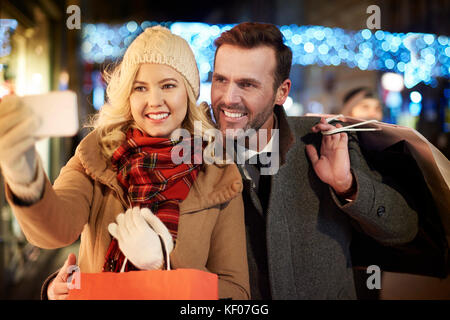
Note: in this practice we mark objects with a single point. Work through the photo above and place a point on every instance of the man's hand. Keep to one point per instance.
(333, 165)
(58, 288)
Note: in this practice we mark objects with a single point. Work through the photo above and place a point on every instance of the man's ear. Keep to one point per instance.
(283, 92)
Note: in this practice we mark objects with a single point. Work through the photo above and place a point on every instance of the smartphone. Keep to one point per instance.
(58, 111)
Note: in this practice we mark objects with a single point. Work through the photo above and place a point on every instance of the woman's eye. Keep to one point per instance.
(139, 89)
(169, 86)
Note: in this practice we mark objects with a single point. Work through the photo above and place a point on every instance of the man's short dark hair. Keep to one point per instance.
(251, 35)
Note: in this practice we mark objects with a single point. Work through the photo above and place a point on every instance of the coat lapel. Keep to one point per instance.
(282, 272)
(97, 167)
(286, 141)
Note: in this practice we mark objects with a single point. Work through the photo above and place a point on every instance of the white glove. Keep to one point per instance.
(18, 158)
(159, 227)
(137, 240)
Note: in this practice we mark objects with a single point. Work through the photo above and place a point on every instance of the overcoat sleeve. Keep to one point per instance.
(58, 218)
(379, 209)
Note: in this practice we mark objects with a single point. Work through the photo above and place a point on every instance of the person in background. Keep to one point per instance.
(121, 190)
(362, 103)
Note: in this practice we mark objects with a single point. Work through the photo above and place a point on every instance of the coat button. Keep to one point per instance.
(381, 210)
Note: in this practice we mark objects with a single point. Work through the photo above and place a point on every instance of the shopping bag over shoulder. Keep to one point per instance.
(432, 164)
(179, 284)
(409, 163)
(422, 173)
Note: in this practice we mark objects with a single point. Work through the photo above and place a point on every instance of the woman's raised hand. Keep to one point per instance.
(17, 153)
(18, 158)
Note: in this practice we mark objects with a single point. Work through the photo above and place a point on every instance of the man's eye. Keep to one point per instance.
(246, 84)
(219, 80)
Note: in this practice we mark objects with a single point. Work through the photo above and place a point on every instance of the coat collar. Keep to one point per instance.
(215, 184)
(97, 167)
(287, 139)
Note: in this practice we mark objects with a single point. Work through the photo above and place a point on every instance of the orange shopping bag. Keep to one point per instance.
(179, 284)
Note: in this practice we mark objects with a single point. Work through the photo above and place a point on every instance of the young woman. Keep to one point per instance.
(125, 163)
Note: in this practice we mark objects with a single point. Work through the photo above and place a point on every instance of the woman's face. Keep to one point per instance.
(158, 100)
(368, 109)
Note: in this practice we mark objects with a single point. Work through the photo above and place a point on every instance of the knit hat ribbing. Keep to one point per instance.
(159, 45)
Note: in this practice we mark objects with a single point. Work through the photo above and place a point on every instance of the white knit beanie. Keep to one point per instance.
(159, 45)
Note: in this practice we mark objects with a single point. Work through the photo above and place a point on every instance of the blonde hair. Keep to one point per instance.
(115, 118)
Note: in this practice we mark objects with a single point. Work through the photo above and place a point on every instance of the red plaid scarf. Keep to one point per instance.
(148, 175)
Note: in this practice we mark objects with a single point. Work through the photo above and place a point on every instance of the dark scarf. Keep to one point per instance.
(151, 180)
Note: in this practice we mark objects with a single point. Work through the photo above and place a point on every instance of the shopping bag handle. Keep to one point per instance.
(122, 269)
(165, 253)
(350, 127)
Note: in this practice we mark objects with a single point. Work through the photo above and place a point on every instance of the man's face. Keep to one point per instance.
(242, 93)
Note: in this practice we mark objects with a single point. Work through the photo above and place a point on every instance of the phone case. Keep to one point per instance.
(58, 112)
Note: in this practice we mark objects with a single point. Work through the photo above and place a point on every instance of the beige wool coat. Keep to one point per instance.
(86, 197)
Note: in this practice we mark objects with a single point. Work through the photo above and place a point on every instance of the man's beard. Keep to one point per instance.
(256, 123)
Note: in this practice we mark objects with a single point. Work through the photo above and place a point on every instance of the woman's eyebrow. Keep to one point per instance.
(161, 81)
(168, 79)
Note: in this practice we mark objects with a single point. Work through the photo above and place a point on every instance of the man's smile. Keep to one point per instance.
(230, 115)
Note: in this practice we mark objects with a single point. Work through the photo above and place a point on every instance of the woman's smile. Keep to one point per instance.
(158, 117)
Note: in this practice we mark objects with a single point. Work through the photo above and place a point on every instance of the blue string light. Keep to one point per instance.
(419, 57)
(7, 27)
(415, 97)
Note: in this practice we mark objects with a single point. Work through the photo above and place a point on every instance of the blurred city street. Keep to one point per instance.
(400, 55)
